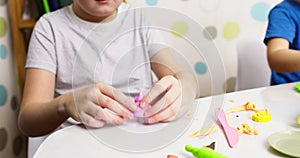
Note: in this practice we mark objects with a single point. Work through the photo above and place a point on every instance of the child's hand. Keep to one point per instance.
(97, 104)
(166, 100)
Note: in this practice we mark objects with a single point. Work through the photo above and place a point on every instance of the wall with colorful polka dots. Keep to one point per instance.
(204, 33)
(194, 25)
(12, 143)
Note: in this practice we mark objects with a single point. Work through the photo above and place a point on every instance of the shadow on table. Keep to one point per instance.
(277, 153)
(295, 124)
(187, 155)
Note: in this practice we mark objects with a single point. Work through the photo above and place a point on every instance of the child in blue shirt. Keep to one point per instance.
(283, 42)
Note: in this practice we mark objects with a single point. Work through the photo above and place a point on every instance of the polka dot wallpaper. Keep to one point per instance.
(222, 23)
(12, 143)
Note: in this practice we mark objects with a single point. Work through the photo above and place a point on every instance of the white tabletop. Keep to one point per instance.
(136, 140)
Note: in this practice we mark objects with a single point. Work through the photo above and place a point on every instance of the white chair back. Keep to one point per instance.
(253, 68)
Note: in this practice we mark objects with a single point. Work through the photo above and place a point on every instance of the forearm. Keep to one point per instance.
(285, 60)
(188, 83)
(36, 119)
(190, 91)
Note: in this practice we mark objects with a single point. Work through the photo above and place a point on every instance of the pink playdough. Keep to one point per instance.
(140, 111)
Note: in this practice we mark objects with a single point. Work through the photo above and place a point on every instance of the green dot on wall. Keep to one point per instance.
(179, 28)
(3, 52)
(3, 27)
(3, 95)
(200, 68)
(231, 30)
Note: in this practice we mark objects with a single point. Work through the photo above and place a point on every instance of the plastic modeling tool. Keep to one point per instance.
(204, 152)
(230, 132)
(297, 87)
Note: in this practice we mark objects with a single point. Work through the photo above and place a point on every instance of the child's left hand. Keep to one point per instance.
(168, 99)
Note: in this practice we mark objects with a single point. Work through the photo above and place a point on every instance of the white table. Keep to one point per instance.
(283, 102)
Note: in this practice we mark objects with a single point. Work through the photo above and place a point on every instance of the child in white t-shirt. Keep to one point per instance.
(82, 64)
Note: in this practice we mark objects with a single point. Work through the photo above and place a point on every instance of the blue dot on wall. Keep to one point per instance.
(260, 11)
(151, 2)
(3, 95)
(200, 68)
(3, 52)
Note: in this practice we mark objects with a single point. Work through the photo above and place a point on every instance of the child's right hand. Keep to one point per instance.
(97, 104)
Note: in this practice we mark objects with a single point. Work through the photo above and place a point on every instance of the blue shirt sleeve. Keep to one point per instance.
(280, 25)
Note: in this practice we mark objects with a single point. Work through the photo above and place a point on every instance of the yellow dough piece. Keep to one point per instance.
(249, 106)
(205, 131)
(262, 116)
(255, 131)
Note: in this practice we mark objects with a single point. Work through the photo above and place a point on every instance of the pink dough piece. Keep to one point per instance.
(138, 99)
(140, 111)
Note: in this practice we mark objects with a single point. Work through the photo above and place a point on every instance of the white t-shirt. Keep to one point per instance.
(81, 53)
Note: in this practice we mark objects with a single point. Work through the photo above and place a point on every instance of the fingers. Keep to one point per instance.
(116, 101)
(95, 114)
(110, 105)
(170, 113)
(166, 84)
(98, 104)
(155, 93)
(112, 117)
(114, 106)
(158, 106)
(91, 121)
(163, 96)
(166, 100)
(116, 95)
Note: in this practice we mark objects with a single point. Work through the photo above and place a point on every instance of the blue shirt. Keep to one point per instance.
(284, 22)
